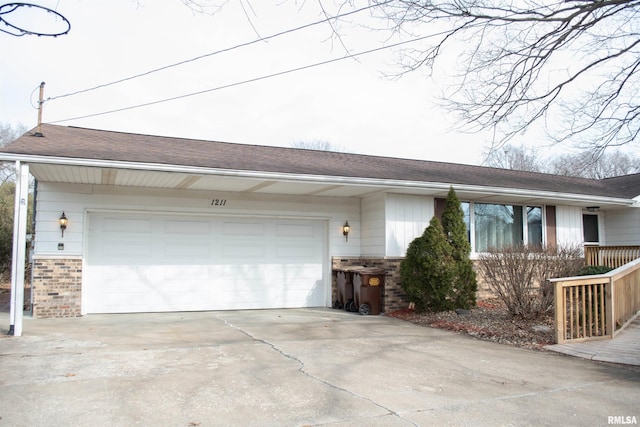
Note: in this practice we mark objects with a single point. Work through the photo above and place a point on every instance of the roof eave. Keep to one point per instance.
(342, 180)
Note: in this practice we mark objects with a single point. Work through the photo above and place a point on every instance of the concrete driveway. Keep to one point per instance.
(299, 367)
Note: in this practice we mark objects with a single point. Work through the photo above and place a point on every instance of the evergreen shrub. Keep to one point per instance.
(437, 274)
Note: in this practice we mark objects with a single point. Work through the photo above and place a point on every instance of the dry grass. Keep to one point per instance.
(5, 296)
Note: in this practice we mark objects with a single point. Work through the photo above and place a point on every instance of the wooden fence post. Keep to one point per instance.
(609, 305)
(560, 312)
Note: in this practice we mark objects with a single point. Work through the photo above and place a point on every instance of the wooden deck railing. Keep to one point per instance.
(612, 256)
(598, 306)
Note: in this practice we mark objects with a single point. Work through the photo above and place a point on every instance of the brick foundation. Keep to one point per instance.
(57, 285)
(57, 288)
(484, 291)
(393, 297)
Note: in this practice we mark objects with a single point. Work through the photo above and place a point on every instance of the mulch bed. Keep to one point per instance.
(490, 321)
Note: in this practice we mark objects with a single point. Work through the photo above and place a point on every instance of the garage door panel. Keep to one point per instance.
(130, 298)
(127, 225)
(234, 228)
(126, 248)
(240, 252)
(295, 231)
(188, 248)
(187, 227)
(181, 273)
(202, 264)
(295, 251)
(118, 276)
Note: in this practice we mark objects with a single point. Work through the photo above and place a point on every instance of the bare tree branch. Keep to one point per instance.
(9, 133)
(213, 7)
(570, 64)
(586, 164)
(317, 145)
(333, 29)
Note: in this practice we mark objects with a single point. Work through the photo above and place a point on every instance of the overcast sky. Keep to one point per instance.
(347, 103)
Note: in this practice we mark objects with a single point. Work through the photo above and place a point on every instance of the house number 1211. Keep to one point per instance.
(218, 202)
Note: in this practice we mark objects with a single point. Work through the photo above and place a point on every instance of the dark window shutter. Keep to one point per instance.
(439, 207)
(551, 226)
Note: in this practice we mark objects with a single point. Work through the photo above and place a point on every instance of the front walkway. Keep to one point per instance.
(623, 349)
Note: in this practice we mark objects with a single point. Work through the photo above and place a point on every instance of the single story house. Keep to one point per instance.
(159, 224)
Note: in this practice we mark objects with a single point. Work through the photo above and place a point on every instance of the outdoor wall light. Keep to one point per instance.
(345, 231)
(63, 222)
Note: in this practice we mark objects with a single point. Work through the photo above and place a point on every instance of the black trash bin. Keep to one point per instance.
(367, 290)
(344, 285)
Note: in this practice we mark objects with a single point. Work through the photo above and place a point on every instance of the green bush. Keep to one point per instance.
(589, 270)
(437, 273)
(464, 284)
(427, 270)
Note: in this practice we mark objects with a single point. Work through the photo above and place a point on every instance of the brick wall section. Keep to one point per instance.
(484, 292)
(57, 288)
(393, 297)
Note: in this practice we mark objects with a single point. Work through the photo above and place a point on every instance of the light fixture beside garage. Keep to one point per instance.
(345, 231)
(63, 222)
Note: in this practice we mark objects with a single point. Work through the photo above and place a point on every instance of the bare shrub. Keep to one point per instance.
(519, 275)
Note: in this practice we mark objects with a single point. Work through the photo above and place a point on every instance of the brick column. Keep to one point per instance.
(57, 287)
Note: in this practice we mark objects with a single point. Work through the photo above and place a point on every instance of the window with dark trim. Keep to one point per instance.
(495, 225)
(590, 228)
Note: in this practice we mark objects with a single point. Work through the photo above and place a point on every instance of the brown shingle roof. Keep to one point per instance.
(82, 143)
(626, 186)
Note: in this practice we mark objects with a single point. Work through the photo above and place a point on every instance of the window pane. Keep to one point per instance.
(534, 225)
(497, 225)
(590, 228)
(467, 218)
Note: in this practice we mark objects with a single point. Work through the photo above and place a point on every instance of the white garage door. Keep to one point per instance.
(150, 263)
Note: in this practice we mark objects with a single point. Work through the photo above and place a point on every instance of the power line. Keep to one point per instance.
(268, 76)
(228, 49)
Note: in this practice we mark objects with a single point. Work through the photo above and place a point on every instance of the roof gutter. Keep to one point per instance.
(340, 180)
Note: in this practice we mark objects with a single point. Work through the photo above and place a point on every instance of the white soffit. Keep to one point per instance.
(263, 183)
(135, 178)
(222, 183)
(346, 191)
(80, 175)
(303, 188)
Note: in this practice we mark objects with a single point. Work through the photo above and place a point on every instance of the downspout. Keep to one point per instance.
(33, 207)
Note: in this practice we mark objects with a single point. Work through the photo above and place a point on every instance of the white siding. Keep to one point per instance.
(49, 207)
(569, 225)
(622, 227)
(406, 218)
(76, 200)
(373, 225)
